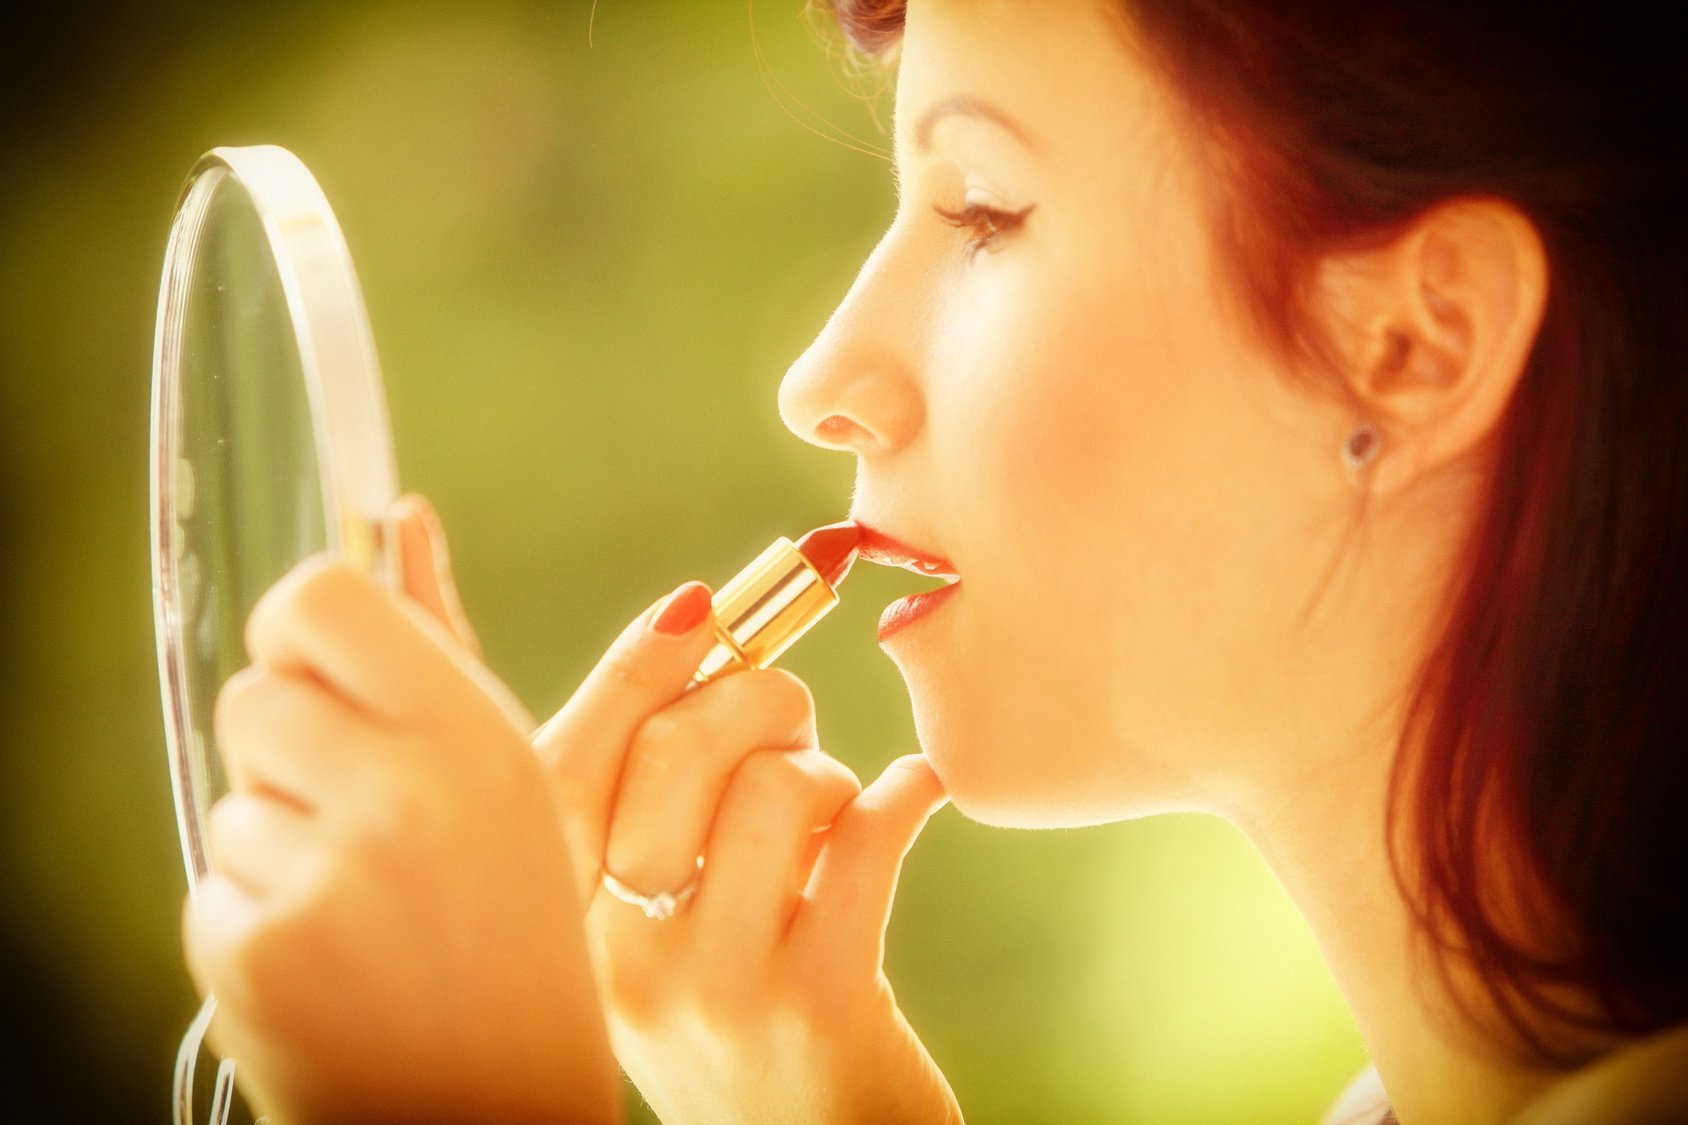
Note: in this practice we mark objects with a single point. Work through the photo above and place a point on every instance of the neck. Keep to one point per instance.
(1331, 857)
(1317, 812)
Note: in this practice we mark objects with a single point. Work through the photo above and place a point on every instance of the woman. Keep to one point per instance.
(1294, 392)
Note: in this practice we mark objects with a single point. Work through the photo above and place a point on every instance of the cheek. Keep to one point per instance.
(1036, 444)
(1115, 502)
(1081, 443)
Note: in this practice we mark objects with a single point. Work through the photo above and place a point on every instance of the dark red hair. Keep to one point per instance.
(1542, 800)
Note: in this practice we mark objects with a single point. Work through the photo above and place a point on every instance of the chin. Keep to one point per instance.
(952, 745)
(1004, 766)
(994, 778)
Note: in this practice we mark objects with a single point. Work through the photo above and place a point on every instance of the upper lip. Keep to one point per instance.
(877, 547)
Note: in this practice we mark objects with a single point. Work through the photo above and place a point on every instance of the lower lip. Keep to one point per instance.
(901, 612)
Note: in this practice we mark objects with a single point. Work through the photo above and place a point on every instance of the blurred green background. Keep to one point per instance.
(588, 260)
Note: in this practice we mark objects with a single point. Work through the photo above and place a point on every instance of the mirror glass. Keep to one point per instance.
(270, 435)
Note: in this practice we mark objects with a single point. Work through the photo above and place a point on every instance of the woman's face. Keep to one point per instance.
(1056, 397)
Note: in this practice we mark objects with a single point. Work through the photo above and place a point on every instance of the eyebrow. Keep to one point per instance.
(966, 105)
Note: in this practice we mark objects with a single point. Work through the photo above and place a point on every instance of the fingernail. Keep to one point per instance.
(407, 513)
(684, 610)
(425, 510)
(416, 507)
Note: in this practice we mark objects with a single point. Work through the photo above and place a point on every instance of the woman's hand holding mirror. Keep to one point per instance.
(391, 925)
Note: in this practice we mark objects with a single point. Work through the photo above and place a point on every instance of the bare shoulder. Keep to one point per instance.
(1644, 1083)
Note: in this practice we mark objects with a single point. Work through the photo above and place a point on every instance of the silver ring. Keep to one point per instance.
(660, 906)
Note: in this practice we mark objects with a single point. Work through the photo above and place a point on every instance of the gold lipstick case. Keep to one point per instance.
(764, 609)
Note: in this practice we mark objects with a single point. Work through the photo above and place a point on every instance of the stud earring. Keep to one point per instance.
(1359, 449)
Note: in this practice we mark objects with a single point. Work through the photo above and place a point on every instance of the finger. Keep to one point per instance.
(259, 843)
(217, 921)
(216, 924)
(855, 877)
(431, 587)
(284, 732)
(647, 667)
(679, 762)
(354, 636)
(427, 568)
(759, 847)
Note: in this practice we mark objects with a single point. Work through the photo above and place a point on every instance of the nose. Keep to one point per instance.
(856, 388)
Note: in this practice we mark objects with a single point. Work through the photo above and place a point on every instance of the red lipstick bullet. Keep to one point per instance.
(831, 549)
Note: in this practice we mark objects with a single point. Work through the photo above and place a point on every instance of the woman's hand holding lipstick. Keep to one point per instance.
(762, 997)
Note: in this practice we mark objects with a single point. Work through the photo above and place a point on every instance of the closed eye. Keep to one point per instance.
(984, 224)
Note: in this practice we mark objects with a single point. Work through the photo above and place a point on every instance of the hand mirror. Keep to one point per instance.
(270, 443)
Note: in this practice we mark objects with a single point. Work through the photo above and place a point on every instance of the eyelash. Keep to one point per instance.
(987, 224)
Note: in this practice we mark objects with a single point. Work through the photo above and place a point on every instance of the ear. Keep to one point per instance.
(1433, 331)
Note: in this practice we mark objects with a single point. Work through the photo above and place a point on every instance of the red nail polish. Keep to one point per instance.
(684, 611)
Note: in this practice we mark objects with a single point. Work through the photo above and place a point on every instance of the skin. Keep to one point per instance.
(1173, 595)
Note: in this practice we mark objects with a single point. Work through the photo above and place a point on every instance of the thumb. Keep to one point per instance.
(427, 568)
(855, 879)
(584, 745)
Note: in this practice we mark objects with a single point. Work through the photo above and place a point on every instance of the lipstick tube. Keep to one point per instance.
(768, 605)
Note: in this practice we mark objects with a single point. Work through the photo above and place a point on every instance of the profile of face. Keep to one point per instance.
(1045, 379)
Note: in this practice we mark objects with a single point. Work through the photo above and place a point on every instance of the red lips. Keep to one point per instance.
(876, 546)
